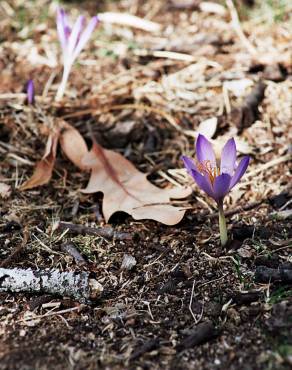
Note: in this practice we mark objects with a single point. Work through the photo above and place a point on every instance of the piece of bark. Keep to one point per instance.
(280, 320)
(148, 346)
(280, 200)
(69, 248)
(244, 116)
(38, 301)
(10, 227)
(272, 261)
(248, 231)
(202, 333)
(77, 285)
(265, 274)
(240, 298)
(104, 232)
(169, 287)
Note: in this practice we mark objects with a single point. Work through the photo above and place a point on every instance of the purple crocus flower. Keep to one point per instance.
(213, 179)
(30, 92)
(72, 40)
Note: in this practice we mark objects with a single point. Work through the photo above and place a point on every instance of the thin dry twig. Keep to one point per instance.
(273, 163)
(196, 319)
(237, 28)
(69, 248)
(104, 232)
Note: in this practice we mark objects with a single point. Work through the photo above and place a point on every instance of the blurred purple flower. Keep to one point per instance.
(30, 92)
(213, 180)
(72, 40)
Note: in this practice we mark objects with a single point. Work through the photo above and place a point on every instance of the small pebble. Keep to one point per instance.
(128, 262)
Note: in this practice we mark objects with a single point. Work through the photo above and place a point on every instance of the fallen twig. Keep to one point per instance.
(202, 333)
(70, 248)
(104, 232)
(237, 28)
(148, 346)
(77, 285)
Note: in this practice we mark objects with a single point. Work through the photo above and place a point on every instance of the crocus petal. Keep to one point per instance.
(61, 27)
(221, 186)
(73, 38)
(228, 157)
(202, 183)
(205, 151)
(189, 164)
(239, 172)
(30, 92)
(85, 36)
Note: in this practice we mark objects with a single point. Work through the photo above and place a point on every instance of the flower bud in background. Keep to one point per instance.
(30, 92)
(73, 40)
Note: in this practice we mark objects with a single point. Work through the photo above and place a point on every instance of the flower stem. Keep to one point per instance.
(62, 86)
(222, 225)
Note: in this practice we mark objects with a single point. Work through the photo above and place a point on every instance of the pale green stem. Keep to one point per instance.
(222, 225)
(62, 86)
(30, 116)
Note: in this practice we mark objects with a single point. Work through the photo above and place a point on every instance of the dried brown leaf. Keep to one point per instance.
(124, 187)
(127, 189)
(73, 144)
(44, 168)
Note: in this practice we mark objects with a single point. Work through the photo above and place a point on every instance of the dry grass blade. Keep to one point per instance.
(129, 20)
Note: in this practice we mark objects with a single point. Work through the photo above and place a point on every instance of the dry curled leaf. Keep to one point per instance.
(72, 144)
(124, 187)
(208, 127)
(127, 189)
(44, 168)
